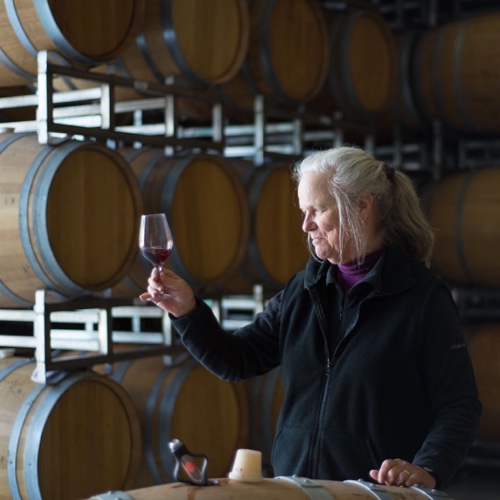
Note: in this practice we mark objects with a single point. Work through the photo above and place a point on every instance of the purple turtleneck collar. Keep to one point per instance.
(351, 273)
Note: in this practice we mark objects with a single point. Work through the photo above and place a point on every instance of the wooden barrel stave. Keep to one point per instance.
(68, 440)
(204, 41)
(70, 214)
(483, 341)
(287, 57)
(286, 487)
(277, 246)
(362, 66)
(403, 110)
(186, 402)
(456, 74)
(463, 210)
(208, 213)
(81, 32)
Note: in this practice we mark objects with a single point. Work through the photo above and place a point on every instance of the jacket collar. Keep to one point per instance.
(393, 271)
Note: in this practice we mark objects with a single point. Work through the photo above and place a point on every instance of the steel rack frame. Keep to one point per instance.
(94, 342)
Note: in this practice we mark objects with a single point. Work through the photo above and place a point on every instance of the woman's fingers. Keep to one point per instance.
(397, 472)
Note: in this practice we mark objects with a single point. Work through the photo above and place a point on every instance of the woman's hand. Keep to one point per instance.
(182, 299)
(397, 472)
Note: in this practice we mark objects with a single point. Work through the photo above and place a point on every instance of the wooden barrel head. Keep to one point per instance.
(185, 402)
(456, 75)
(277, 222)
(96, 30)
(288, 53)
(69, 440)
(484, 347)
(362, 65)
(81, 31)
(277, 247)
(203, 40)
(91, 216)
(464, 210)
(70, 217)
(207, 210)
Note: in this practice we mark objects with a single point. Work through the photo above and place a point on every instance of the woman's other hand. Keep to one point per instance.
(397, 472)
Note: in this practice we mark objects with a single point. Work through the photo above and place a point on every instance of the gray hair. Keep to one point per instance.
(401, 220)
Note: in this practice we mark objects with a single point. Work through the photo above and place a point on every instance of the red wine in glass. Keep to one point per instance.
(155, 240)
(156, 255)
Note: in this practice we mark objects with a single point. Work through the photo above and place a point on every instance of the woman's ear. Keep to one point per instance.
(365, 204)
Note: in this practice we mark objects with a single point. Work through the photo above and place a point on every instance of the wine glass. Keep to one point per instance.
(155, 241)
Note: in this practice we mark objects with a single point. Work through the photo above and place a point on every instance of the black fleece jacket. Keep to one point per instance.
(383, 372)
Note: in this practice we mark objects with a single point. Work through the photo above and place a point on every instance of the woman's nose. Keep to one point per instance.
(307, 224)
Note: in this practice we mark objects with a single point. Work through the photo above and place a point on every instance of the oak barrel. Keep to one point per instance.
(285, 488)
(287, 57)
(277, 247)
(208, 213)
(79, 31)
(68, 440)
(402, 100)
(403, 109)
(186, 402)
(362, 65)
(69, 216)
(483, 341)
(457, 75)
(464, 210)
(204, 41)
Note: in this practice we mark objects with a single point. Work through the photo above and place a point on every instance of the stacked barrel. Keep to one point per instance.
(69, 213)
(463, 208)
(448, 75)
(79, 207)
(70, 216)
(69, 224)
(68, 440)
(234, 225)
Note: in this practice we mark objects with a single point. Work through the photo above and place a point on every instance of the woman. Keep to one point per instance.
(378, 380)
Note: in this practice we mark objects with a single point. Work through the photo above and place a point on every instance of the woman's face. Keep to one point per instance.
(321, 220)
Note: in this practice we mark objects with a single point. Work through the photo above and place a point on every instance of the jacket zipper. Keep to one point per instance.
(314, 453)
